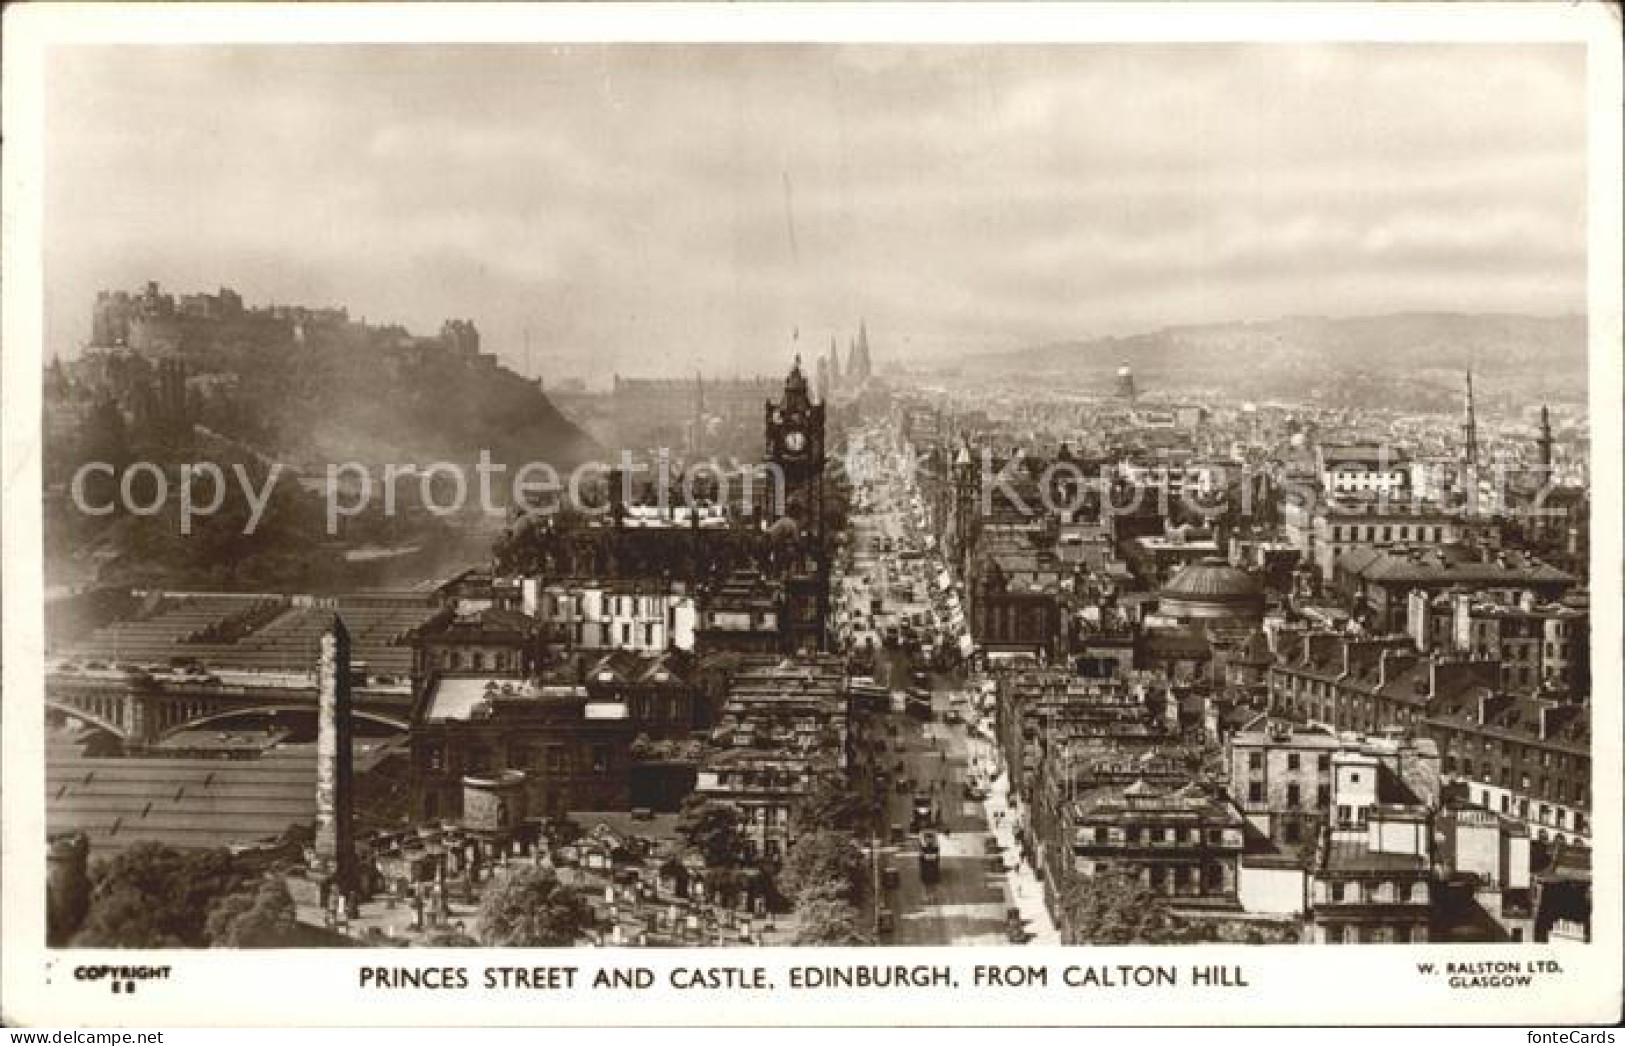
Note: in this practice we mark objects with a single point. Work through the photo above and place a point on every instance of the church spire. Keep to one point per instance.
(1544, 442)
(1470, 427)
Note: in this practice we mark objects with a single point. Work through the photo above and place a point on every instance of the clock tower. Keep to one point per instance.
(795, 444)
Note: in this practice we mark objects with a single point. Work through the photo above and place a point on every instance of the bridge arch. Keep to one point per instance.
(94, 717)
(204, 722)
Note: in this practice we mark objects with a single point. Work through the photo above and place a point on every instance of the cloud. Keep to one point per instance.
(664, 207)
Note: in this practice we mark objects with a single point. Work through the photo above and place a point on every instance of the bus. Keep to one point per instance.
(930, 858)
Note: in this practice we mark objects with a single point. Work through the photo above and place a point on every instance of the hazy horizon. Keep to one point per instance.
(653, 209)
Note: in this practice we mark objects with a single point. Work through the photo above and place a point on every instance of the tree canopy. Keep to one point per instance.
(527, 907)
(1114, 907)
(154, 896)
(259, 917)
(158, 897)
(713, 830)
(827, 921)
(825, 865)
(831, 803)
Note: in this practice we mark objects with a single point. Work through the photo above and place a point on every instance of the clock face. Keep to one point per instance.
(795, 442)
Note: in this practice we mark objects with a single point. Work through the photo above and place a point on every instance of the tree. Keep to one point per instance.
(826, 922)
(832, 803)
(1114, 907)
(259, 917)
(713, 830)
(153, 896)
(527, 907)
(823, 866)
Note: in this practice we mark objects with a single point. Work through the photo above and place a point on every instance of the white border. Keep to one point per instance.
(1355, 985)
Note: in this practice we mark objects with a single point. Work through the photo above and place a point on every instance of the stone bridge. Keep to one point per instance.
(140, 712)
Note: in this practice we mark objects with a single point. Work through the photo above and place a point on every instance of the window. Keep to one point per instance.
(1323, 763)
(1255, 760)
(600, 759)
(1255, 791)
(1292, 832)
(1292, 761)
(1334, 935)
(1294, 795)
(1323, 796)
(434, 758)
(1343, 892)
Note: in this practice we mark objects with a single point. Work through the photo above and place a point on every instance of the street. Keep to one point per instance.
(980, 878)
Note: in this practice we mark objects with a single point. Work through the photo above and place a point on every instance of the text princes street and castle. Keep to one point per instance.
(800, 977)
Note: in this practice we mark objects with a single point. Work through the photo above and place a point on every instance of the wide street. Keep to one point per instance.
(980, 880)
(967, 903)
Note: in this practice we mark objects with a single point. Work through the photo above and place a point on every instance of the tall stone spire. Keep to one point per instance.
(1544, 441)
(335, 797)
(834, 363)
(863, 352)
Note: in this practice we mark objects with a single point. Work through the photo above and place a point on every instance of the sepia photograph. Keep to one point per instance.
(1123, 503)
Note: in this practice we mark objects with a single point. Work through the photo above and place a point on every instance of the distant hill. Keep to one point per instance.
(1516, 356)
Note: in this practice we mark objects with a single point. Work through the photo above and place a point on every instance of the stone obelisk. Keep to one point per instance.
(335, 834)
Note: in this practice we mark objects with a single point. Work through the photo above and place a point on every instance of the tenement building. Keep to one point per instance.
(1377, 582)
(1183, 842)
(1526, 758)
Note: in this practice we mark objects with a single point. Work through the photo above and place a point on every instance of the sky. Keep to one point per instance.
(649, 209)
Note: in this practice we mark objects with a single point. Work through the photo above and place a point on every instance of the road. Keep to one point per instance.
(966, 906)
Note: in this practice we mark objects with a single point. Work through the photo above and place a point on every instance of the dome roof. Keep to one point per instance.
(1212, 580)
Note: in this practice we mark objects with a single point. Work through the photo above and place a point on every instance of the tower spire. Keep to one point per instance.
(1470, 428)
(1544, 442)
